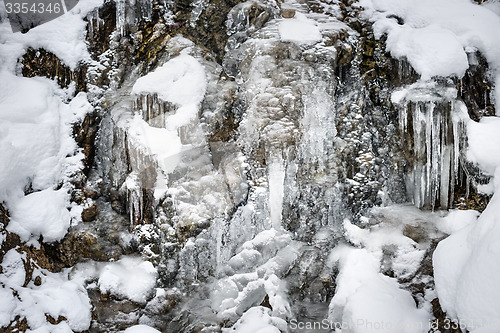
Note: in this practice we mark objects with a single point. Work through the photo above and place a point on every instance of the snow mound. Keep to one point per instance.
(368, 301)
(365, 299)
(431, 51)
(141, 329)
(466, 263)
(41, 213)
(484, 143)
(129, 277)
(435, 35)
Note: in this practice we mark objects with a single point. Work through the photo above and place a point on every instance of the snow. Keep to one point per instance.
(366, 300)
(182, 81)
(456, 220)
(435, 35)
(430, 50)
(165, 144)
(141, 329)
(128, 277)
(41, 213)
(466, 263)
(56, 296)
(39, 158)
(37, 149)
(258, 319)
(484, 143)
(63, 36)
(299, 29)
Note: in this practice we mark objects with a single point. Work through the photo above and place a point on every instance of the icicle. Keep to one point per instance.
(276, 191)
(445, 177)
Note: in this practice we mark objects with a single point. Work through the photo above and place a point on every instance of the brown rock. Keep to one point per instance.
(287, 13)
(89, 214)
(416, 233)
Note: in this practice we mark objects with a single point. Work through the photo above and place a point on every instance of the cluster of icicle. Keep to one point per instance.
(434, 131)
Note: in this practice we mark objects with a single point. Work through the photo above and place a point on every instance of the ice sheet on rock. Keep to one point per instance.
(257, 271)
(276, 192)
(128, 277)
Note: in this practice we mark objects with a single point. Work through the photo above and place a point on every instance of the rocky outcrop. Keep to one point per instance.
(43, 63)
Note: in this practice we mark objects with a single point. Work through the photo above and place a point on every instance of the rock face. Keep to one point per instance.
(293, 136)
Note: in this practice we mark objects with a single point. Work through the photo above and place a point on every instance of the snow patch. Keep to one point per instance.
(141, 329)
(41, 213)
(299, 29)
(129, 277)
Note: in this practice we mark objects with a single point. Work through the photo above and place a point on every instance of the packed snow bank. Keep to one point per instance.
(56, 296)
(456, 220)
(366, 300)
(38, 151)
(484, 143)
(466, 265)
(299, 29)
(129, 277)
(435, 35)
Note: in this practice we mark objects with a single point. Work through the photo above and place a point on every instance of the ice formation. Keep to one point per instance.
(281, 178)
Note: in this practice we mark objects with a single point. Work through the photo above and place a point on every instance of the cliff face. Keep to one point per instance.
(262, 156)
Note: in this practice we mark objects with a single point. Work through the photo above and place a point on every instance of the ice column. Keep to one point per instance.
(276, 191)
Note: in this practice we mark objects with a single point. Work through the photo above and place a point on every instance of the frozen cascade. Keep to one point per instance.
(434, 129)
(251, 185)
